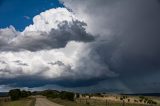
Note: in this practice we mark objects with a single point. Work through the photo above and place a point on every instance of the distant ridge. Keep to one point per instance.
(144, 94)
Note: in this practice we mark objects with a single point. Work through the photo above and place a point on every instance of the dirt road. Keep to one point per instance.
(45, 102)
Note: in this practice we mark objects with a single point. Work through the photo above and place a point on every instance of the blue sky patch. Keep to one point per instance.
(19, 13)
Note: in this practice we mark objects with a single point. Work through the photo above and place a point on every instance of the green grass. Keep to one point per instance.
(22, 102)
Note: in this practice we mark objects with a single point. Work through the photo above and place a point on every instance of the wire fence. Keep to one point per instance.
(95, 102)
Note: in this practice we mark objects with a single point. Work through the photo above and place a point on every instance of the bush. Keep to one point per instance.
(15, 94)
(56, 94)
(50, 94)
(124, 97)
(77, 95)
(142, 97)
(128, 100)
(67, 95)
(140, 100)
(121, 98)
(25, 93)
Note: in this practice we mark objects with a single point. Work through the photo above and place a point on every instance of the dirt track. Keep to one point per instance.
(45, 102)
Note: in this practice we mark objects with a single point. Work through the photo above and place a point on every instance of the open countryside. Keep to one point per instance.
(17, 97)
(79, 52)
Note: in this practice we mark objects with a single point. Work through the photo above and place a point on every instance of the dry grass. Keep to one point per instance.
(22, 102)
(92, 102)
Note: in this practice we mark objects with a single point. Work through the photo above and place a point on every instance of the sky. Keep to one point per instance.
(22, 11)
(80, 45)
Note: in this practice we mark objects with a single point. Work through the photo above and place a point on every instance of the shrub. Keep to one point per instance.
(128, 100)
(121, 98)
(50, 94)
(15, 94)
(25, 93)
(77, 95)
(67, 95)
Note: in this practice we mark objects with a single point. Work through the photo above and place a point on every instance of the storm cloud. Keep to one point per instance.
(108, 45)
(129, 38)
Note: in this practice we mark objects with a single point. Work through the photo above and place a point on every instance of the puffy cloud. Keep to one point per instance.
(56, 38)
(36, 63)
(50, 19)
(47, 32)
(6, 35)
(52, 52)
(53, 66)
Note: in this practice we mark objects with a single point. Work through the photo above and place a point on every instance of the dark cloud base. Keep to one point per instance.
(31, 82)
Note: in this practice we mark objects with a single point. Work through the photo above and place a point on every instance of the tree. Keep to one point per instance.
(77, 95)
(67, 95)
(15, 94)
(121, 98)
(51, 94)
(140, 100)
(25, 93)
(128, 100)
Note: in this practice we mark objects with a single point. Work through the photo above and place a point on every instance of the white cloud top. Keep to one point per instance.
(50, 19)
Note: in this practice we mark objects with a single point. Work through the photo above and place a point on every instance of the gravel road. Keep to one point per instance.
(45, 102)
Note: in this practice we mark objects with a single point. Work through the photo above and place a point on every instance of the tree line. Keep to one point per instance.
(56, 94)
(16, 94)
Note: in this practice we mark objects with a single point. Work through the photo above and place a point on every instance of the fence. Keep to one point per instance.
(96, 102)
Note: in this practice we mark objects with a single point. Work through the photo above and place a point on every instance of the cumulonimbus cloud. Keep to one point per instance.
(126, 50)
(129, 37)
(55, 47)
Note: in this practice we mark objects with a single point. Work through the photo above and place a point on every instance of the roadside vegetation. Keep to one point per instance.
(16, 97)
(17, 94)
(100, 99)
(97, 99)
(92, 102)
(62, 95)
(20, 102)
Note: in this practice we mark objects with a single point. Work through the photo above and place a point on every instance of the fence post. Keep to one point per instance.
(123, 104)
(86, 100)
(106, 102)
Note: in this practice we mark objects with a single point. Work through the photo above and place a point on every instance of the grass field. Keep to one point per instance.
(22, 102)
(92, 102)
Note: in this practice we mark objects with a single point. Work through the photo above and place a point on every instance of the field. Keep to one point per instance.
(107, 101)
(21, 102)
(84, 100)
(92, 103)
